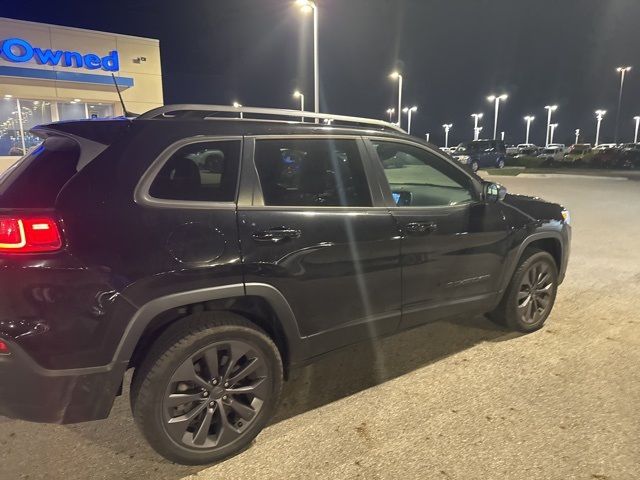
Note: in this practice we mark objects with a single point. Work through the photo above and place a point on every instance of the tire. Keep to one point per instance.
(179, 395)
(474, 166)
(524, 307)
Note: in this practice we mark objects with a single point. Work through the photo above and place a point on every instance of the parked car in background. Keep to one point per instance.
(512, 150)
(576, 151)
(481, 154)
(605, 147)
(561, 146)
(526, 146)
(630, 147)
(579, 148)
(550, 153)
(448, 150)
(527, 150)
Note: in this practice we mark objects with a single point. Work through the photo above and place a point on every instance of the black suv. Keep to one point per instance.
(213, 254)
(481, 154)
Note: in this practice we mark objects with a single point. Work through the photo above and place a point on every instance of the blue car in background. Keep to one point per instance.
(481, 154)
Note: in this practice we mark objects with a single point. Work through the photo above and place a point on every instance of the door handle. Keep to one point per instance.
(276, 235)
(420, 228)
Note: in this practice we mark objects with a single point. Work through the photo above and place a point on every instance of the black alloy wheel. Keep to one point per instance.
(215, 395)
(207, 387)
(530, 296)
(535, 293)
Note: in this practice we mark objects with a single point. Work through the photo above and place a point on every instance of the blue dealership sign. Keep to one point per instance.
(19, 51)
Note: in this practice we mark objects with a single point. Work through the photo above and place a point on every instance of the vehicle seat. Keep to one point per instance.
(179, 179)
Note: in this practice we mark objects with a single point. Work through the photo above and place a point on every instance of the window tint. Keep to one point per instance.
(36, 179)
(419, 178)
(202, 172)
(323, 172)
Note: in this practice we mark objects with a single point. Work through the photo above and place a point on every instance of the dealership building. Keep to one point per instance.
(51, 73)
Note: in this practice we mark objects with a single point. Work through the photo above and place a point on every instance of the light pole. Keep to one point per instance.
(622, 71)
(476, 117)
(577, 135)
(528, 119)
(549, 108)
(476, 132)
(496, 99)
(300, 95)
(447, 127)
(409, 111)
(553, 127)
(310, 6)
(390, 112)
(237, 105)
(398, 76)
(599, 116)
(635, 136)
(428, 135)
(502, 136)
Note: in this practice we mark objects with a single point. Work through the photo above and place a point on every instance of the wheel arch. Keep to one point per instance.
(261, 304)
(548, 241)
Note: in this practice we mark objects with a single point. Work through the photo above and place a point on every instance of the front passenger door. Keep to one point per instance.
(453, 243)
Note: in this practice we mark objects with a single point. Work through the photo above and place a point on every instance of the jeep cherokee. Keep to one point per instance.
(212, 255)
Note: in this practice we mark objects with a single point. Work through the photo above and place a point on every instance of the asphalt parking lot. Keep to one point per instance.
(460, 399)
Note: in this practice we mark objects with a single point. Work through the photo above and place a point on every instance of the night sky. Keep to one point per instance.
(453, 53)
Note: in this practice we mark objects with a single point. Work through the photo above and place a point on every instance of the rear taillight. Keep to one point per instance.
(4, 348)
(29, 235)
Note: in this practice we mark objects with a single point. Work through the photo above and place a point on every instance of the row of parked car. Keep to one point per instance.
(560, 152)
(494, 153)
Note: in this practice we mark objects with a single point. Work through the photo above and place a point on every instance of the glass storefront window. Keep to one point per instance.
(34, 112)
(37, 112)
(71, 110)
(100, 110)
(10, 136)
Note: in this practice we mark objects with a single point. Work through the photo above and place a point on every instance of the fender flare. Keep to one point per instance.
(511, 268)
(147, 312)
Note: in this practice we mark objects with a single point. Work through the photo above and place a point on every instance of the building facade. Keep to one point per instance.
(51, 73)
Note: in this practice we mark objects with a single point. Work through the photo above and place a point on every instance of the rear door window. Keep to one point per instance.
(200, 172)
(312, 172)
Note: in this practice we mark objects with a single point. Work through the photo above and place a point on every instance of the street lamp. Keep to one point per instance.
(309, 6)
(237, 105)
(622, 71)
(635, 136)
(496, 99)
(528, 119)
(599, 116)
(476, 132)
(577, 135)
(390, 112)
(553, 127)
(447, 127)
(300, 95)
(549, 108)
(398, 76)
(409, 111)
(476, 117)
(428, 135)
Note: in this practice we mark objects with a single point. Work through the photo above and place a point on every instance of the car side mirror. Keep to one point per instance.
(494, 192)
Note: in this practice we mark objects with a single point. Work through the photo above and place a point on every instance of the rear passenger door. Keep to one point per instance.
(312, 229)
